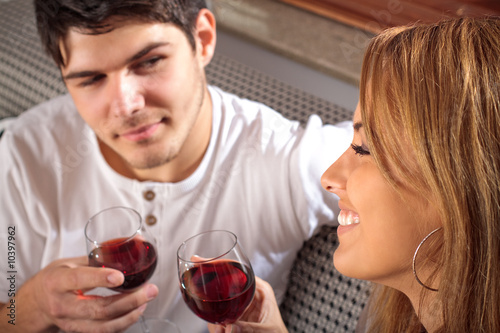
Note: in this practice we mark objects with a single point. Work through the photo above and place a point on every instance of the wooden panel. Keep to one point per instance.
(376, 15)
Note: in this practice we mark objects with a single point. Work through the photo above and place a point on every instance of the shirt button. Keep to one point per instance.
(151, 220)
(149, 195)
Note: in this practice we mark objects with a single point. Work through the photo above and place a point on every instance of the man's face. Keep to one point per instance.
(140, 87)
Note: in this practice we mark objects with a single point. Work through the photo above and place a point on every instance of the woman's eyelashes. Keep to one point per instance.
(359, 150)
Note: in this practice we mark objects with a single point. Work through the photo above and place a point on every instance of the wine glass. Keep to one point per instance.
(217, 281)
(116, 238)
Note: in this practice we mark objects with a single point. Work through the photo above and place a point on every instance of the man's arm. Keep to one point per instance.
(54, 298)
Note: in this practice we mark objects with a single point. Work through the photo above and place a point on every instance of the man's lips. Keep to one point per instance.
(141, 133)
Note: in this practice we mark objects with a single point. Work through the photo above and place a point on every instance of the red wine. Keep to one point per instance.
(218, 292)
(136, 258)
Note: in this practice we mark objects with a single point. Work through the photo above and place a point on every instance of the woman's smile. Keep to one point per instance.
(348, 217)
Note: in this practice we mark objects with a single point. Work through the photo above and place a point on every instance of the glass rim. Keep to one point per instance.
(100, 244)
(210, 259)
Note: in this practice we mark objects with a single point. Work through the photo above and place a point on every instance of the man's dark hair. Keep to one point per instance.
(56, 17)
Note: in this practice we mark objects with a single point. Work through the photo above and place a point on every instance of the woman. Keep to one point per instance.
(420, 186)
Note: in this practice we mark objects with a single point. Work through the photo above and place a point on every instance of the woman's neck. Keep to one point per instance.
(428, 309)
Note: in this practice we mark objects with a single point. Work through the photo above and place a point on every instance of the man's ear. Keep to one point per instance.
(205, 35)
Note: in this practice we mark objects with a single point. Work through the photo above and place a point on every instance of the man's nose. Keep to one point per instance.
(126, 95)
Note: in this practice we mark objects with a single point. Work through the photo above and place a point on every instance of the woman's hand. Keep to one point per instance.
(262, 315)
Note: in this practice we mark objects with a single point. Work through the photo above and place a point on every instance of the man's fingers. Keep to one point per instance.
(116, 305)
(71, 274)
(102, 308)
(117, 324)
(85, 278)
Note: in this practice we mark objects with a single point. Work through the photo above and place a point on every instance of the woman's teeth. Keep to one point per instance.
(347, 218)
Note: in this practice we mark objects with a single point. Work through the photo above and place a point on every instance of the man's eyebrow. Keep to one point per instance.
(357, 126)
(79, 75)
(146, 50)
(138, 55)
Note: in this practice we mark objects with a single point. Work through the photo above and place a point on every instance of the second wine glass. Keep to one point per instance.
(216, 278)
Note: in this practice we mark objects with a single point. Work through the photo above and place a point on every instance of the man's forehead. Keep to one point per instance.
(128, 34)
(115, 22)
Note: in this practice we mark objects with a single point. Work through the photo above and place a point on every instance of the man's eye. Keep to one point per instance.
(92, 80)
(359, 150)
(149, 63)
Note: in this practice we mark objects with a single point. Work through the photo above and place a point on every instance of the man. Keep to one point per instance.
(141, 128)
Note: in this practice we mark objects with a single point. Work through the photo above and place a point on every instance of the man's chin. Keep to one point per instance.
(148, 162)
(146, 165)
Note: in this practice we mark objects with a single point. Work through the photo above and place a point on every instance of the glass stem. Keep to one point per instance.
(145, 328)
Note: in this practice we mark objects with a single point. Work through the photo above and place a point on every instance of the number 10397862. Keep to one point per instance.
(11, 248)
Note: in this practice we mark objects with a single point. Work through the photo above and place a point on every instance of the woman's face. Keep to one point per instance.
(380, 228)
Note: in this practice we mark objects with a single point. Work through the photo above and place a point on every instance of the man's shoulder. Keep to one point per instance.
(59, 108)
(52, 123)
(249, 116)
(53, 117)
(232, 103)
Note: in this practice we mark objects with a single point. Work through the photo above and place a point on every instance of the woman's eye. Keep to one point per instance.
(359, 150)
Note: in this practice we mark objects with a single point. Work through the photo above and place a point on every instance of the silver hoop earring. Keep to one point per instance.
(415, 257)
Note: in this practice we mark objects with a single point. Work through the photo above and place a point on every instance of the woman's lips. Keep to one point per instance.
(348, 217)
(348, 220)
(142, 133)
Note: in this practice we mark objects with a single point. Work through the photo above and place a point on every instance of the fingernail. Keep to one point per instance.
(114, 278)
(151, 292)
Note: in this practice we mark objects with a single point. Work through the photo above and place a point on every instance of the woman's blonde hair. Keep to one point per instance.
(433, 92)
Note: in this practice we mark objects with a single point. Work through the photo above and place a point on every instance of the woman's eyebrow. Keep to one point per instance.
(357, 126)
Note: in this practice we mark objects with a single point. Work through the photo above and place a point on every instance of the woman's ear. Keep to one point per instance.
(205, 36)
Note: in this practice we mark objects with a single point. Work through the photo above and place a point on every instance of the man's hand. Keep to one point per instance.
(262, 315)
(54, 298)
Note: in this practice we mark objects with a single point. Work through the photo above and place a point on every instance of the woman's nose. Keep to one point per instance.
(334, 179)
(126, 95)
